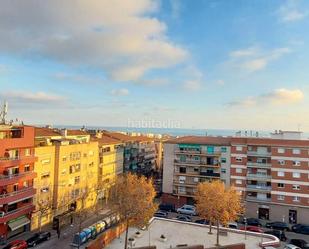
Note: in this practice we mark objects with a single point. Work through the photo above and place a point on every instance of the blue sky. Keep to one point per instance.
(192, 64)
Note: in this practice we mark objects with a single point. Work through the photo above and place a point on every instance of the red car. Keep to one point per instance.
(17, 244)
(253, 229)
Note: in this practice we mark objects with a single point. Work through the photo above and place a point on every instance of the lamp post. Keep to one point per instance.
(245, 220)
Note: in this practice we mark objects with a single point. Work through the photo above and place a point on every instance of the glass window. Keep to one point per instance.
(296, 175)
(223, 171)
(281, 162)
(280, 197)
(238, 159)
(280, 173)
(296, 163)
(238, 182)
(223, 149)
(210, 149)
(280, 185)
(223, 160)
(296, 187)
(238, 148)
(281, 150)
(238, 170)
(296, 198)
(296, 151)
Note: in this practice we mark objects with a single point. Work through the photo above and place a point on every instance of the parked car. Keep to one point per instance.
(296, 227)
(167, 207)
(161, 214)
(252, 222)
(290, 246)
(17, 244)
(38, 238)
(304, 229)
(233, 225)
(184, 218)
(252, 229)
(278, 225)
(300, 243)
(202, 221)
(278, 233)
(187, 209)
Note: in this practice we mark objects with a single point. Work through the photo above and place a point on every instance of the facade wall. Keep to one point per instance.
(168, 168)
(44, 183)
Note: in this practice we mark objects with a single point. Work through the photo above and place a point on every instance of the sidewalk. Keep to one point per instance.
(66, 233)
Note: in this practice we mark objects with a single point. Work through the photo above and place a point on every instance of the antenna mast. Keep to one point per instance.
(4, 112)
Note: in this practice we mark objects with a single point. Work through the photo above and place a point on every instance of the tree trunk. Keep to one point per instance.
(40, 221)
(126, 237)
(210, 226)
(217, 233)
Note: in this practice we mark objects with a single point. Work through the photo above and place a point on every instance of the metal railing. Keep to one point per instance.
(24, 190)
(16, 175)
(262, 165)
(260, 176)
(258, 187)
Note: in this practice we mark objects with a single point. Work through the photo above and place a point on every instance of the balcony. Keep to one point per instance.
(17, 195)
(8, 162)
(251, 176)
(11, 179)
(258, 188)
(200, 153)
(258, 153)
(5, 217)
(259, 165)
(258, 199)
(210, 174)
(195, 163)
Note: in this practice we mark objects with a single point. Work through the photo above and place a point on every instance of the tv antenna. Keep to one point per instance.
(4, 112)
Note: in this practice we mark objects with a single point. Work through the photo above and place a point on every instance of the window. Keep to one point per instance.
(223, 171)
(238, 182)
(296, 187)
(91, 153)
(45, 175)
(196, 158)
(72, 169)
(280, 197)
(182, 158)
(296, 151)
(45, 161)
(77, 167)
(238, 148)
(280, 173)
(280, 185)
(238, 170)
(223, 160)
(281, 150)
(45, 189)
(181, 189)
(238, 159)
(296, 175)
(27, 152)
(91, 164)
(196, 169)
(27, 168)
(76, 179)
(64, 158)
(223, 149)
(281, 162)
(182, 179)
(195, 179)
(182, 170)
(296, 163)
(296, 198)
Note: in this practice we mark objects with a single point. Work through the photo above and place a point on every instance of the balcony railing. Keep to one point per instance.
(258, 153)
(258, 176)
(16, 195)
(211, 174)
(258, 187)
(196, 163)
(203, 153)
(258, 199)
(258, 165)
(6, 216)
(7, 161)
(10, 179)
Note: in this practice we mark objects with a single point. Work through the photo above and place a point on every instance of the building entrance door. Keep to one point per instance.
(264, 213)
(292, 216)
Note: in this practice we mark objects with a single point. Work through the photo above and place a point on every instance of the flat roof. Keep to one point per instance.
(178, 232)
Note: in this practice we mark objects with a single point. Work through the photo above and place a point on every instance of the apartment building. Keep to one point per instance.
(68, 171)
(139, 152)
(111, 153)
(272, 174)
(191, 160)
(17, 161)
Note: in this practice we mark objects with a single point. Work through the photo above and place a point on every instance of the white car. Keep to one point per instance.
(290, 246)
(187, 209)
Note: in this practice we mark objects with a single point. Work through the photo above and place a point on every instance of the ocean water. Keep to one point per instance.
(175, 131)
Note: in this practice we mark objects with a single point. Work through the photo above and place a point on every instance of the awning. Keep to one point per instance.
(18, 223)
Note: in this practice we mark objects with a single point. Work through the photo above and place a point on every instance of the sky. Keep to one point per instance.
(208, 64)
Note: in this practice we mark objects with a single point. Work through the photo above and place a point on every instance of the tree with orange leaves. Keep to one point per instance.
(217, 204)
(132, 198)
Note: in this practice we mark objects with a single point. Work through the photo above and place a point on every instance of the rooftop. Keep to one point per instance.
(200, 140)
(104, 140)
(178, 232)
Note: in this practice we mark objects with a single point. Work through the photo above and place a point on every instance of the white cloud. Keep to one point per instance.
(193, 78)
(280, 96)
(220, 82)
(254, 59)
(121, 37)
(120, 92)
(23, 97)
(290, 12)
